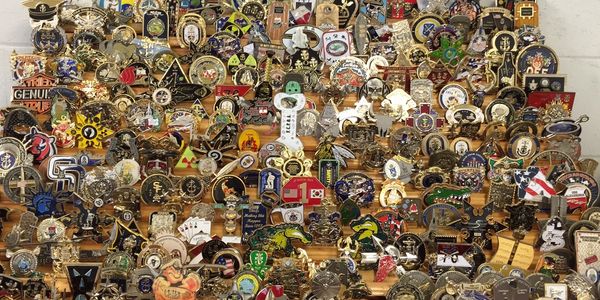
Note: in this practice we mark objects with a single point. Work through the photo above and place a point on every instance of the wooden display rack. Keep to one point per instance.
(317, 253)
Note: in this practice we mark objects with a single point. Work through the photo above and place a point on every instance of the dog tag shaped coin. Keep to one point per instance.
(289, 105)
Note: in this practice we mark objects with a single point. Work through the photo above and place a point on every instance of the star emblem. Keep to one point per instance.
(89, 132)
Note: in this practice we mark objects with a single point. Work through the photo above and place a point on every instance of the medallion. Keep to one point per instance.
(226, 186)
(26, 66)
(191, 29)
(523, 145)
(425, 120)
(49, 40)
(392, 193)
(356, 187)
(155, 188)
(453, 94)
(425, 25)
(434, 142)
(24, 262)
(537, 59)
(208, 71)
(224, 45)
(156, 25)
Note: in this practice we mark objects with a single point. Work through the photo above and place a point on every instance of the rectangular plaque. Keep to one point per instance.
(253, 218)
(587, 244)
(544, 82)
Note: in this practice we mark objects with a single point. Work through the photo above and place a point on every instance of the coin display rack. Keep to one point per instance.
(345, 149)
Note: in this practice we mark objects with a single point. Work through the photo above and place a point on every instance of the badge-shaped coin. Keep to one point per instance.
(156, 25)
(191, 29)
(270, 181)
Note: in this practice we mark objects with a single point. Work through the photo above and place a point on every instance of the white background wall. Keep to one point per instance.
(571, 28)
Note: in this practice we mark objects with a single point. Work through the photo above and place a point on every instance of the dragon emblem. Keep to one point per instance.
(365, 229)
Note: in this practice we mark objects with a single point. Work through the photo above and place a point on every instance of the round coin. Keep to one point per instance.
(21, 183)
(226, 186)
(155, 188)
(174, 246)
(401, 291)
(455, 277)
(592, 214)
(208, 70)
(421, 280)
(488, 278)
(192, 189)
(325, 285)
(23, 262)
(211, 248)
(537, 282)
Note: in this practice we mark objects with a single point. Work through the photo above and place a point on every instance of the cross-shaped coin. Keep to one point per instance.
(21, 182)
